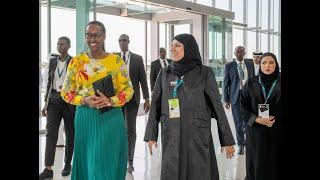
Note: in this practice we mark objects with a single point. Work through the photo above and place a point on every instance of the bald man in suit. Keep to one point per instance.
(156, 65)
(236, 73)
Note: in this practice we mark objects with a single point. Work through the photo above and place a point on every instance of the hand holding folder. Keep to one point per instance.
(105, 86)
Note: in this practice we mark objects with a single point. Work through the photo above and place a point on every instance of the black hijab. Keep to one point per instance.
(191, 56)
(267, 80)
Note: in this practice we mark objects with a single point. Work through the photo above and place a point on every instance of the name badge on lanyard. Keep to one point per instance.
(263, 109)
(174, 106)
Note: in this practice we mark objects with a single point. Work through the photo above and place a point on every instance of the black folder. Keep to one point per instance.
(105, 86)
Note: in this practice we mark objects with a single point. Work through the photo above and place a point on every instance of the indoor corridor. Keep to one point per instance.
(148, 167)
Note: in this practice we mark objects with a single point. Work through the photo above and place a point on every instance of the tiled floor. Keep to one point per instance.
(147, 167)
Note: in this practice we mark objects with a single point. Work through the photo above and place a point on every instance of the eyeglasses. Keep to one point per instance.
(95, 35)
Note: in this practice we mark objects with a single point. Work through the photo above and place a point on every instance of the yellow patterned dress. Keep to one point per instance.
(100, 145)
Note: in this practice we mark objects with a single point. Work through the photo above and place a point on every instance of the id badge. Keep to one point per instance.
(174, 109)
(263, 110)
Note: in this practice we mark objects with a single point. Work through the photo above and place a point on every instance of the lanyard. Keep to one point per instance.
(60, 73)
(264, 90)
(178, 84)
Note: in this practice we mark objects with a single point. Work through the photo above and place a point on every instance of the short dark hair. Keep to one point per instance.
(162, 49)
(235, 49)
(125, 36)
(98, 23)
(66, 39)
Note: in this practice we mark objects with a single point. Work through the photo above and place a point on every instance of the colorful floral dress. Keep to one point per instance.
(100, 148)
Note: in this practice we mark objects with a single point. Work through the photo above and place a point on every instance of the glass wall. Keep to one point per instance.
(44, 34)
(264, 13)
(276, 15)
(63, 23)
(256, 24)
(148, 49)
(264, 42)
(252, 13)
(237, 35)
(251, 45)
(163, 34)
(116, 25)
(219, 31)
(205, 2)
(237, 8)
(222, 4)
(263, 30)
(182, 28)
(277, 48)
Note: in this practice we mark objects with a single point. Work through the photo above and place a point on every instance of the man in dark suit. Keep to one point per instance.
(56, 108)
(138, 77)
(156, 65)
(235, 75)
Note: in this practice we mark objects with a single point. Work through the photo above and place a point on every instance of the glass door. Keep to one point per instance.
(166, 26)
(220, 49)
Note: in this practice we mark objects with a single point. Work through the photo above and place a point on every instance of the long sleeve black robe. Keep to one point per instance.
(187, 145)
(262, 142)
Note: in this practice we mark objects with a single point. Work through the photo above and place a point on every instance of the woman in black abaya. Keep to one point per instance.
(263, 134)
(187, 146)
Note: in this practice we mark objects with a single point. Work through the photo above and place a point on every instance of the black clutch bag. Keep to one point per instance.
(105, 86)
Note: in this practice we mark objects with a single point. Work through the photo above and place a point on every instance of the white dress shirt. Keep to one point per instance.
(61, 70)
(127, 54)
(245, 71)
(161, 62)
(256, 69)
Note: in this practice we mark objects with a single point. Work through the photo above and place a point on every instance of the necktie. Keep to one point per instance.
(241, 74)
(241, 71)
(124, 57)
(164, 62)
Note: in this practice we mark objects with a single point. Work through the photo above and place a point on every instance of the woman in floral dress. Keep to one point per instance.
(100, 148)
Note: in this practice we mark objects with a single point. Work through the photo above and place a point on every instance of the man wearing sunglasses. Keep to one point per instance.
(138, 77)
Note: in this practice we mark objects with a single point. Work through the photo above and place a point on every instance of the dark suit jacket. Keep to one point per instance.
(52, 68)
(231, 80)
(155, 69)
(138, 76)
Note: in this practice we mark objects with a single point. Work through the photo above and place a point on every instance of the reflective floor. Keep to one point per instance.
(148, 167)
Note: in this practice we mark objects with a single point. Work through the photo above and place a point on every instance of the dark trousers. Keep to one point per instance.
(58, 109)
(238, 122)
(130, 111)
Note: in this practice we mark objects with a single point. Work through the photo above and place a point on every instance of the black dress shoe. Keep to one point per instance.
(46, 173)
(241, 150)
(66, 170)
(130, 168)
